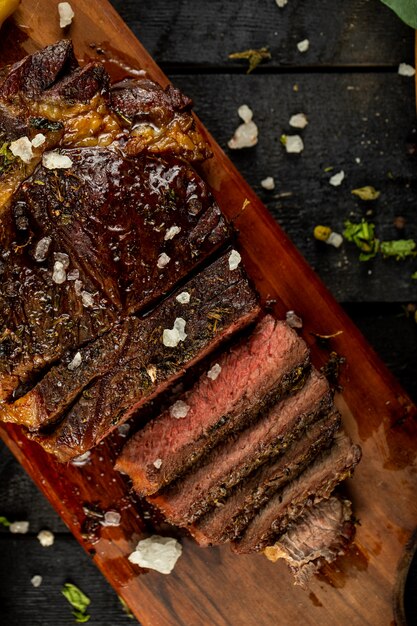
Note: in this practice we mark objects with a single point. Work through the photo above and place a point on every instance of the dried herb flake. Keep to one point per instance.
(366, 193)
(253, 56)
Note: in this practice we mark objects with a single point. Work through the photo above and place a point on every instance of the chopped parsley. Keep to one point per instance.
(78, 600)
(363, 236)
(6, 157)
(399, 248)
(4, 521)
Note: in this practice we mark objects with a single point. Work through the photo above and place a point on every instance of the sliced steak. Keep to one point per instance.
(228, 397)
(232, 514)
(314, 484)
(317, 537)
(232, 460)
(221, 302)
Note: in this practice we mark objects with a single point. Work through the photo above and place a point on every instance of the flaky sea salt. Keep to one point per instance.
(123, 430)
(268, 183)
(76, 362)
(172, 336)
(78, 286)
(214, 372)
(293, 144)
(179, 409)
(293, 319)
(299, 120)
(66, 14)
(157, 553)
(183, 297)
(63, 258)
(406, 70)
(38, 140)
(281, 3)
(81, 460)
(335, 239)
(87, 299)
(36, 580)
(171, 232)
(73, 275)
(234, 260)
(111, 518)
(22, 148)
(19, 528)
(59, 274)
(245, 113)
(41, 249)
(46, 538)
(56, 161)
(163, 260)
(152, 372)
(245, 136)
(337, 179)
(157, 463)
(303, 45)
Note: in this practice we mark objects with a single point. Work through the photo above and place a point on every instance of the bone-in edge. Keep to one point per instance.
(232, 514)
(269, 363)
(232, 460)
(148, 366)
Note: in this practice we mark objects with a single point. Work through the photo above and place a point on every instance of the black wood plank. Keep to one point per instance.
(202, 34)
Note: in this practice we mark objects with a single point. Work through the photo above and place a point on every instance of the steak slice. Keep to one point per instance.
(232, 460)
(221, 302)
(314, 484)
(317, 537)
(246, 378)
(231, 515)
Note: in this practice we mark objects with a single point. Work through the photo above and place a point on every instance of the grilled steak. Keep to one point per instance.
(314, 484)
(231, 461)
(247, 377)
(315, 538)
(221, 302)
(233, 513)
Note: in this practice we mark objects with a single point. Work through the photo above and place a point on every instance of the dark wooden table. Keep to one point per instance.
(362, 119)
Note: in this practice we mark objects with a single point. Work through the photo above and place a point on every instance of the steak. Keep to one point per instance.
(233, 513)
(317, 537)
(232, 460)
(221, 302)
(229, 396)
(314, 484)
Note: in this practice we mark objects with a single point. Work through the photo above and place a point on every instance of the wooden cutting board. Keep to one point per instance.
(213, 586)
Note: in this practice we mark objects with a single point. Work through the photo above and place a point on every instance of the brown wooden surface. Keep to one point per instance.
(213, 586)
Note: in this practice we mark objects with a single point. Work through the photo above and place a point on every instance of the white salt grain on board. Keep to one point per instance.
(36, 580)
(183, 297)
(111, 518)
(22, 148)
(56, 161)
(19, 528)
(406, 70)
(268, 183)
(293, 144)
(76, 362)
(66, 14)
(46, 538)
(246, 136)
(214, 372)
(59, 274)
(38, 140)
(281, 3)
(157, 553)
(337, 179)
(299, 120)
(163, 260)
(245, 113)
(334, 239)
(234, 260)
(303, 45)
(157, 463)
(41, 250)
(171, 232)
(179, 409)
(81, 460)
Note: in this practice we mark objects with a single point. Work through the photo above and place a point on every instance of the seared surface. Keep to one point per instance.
(252, 372)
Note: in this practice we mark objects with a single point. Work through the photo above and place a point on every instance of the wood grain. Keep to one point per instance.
(214, 586)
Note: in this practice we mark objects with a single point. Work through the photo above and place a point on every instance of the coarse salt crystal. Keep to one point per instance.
(19, 528)
(234, 260)
(179, 325)
(157, 463)
(111, 518)
(76, 362)
(214, 372)
(66, 14)
(303, 45)
(268, 183)
(152, 372)
(293, 319)
(81, 460)
(73, 275)
(157, 553)
(78, 286)
(245, 136)
(38, 140)
(22, 148)
(293, 144)
(335, 239)
(46, 538)
(281, 3)
(163, 260)
(41, 250)
(337, 179)
(299, 120)
(56, 161)
(172, 336)
(245, 113)
(123, 430)
(87, 299)
(171, 232)
(36, 580)
(59, 274)
(179, 409)
(183, 297)
(62, 258)
(406, 70)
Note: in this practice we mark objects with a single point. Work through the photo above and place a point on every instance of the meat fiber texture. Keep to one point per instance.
(248, 376)
(232, 460)
(317, 537)
(103, 392)
(123, 226)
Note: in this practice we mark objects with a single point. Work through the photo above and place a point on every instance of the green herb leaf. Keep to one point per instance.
(366, 193)
(78, 600)
(253, 56)
(414, 276)
(399, 248)
(6, 157)
(4, 521)
(363, 236)
(405, 9)
(126, 608)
